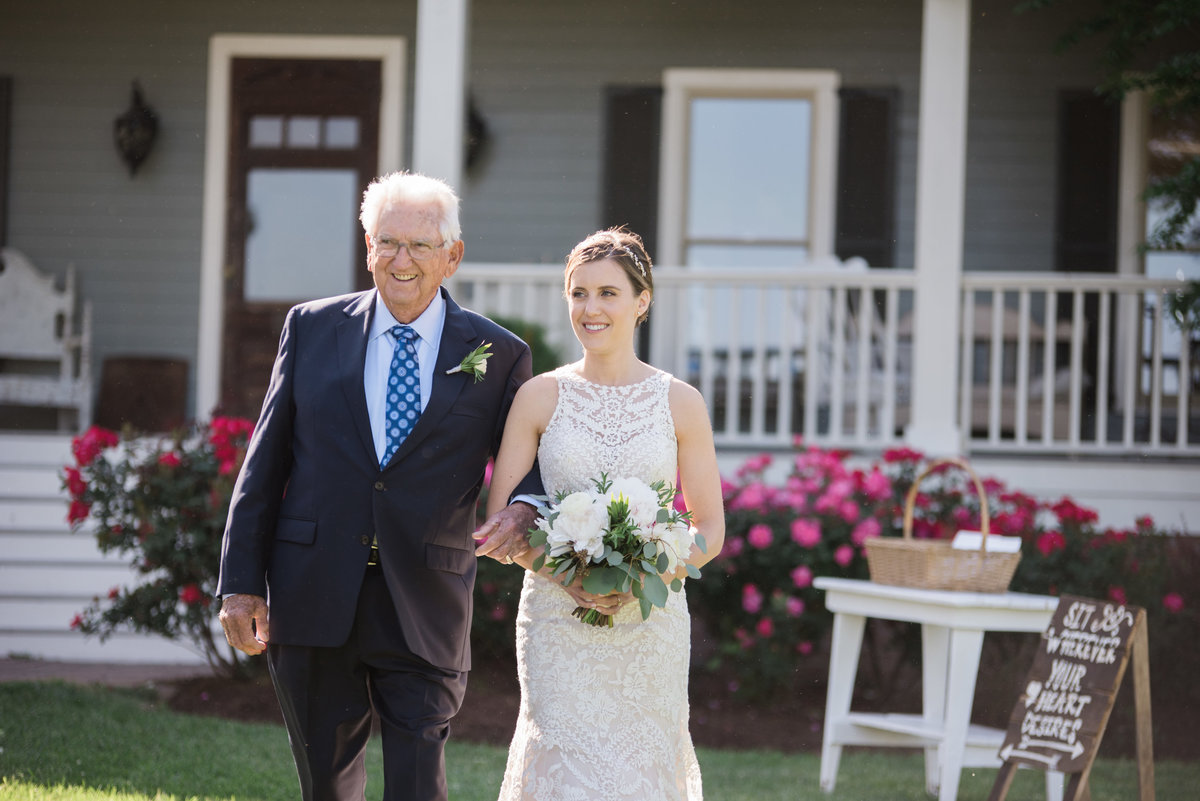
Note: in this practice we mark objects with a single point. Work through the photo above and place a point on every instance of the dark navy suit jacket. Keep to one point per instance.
(311, 495)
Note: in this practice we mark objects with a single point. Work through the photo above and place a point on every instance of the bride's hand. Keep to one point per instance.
(608, 604)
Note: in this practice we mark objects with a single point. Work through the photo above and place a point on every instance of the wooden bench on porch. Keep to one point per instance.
(45, 343)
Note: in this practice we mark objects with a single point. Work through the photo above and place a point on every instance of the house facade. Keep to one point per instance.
(879, 222)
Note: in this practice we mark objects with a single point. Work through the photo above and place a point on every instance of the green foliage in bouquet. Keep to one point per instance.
(757, 597)
(162, 504)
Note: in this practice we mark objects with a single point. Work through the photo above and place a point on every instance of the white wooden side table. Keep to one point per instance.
(952, 629)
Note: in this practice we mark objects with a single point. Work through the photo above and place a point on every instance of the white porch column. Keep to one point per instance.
(941, 183)
(439, 96)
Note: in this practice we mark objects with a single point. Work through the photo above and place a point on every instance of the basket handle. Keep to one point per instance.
(911, 498)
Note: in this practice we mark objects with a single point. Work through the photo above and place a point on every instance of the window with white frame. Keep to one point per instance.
(748, 167)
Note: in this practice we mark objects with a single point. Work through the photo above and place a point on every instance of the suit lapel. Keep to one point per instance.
(352, 333)
(458, 336)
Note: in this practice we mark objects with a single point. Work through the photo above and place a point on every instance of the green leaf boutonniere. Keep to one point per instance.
(474, 363)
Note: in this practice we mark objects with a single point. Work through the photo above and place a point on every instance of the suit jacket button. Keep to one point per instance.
(365, 540)
(378, 485)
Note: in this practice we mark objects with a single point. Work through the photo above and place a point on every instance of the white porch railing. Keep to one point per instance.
(827, 354)
(1088, 363)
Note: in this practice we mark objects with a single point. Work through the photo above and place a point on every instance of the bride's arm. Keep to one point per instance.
(699, 476)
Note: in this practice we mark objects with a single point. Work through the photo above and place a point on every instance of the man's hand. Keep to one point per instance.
(244, 618)
(504, 533)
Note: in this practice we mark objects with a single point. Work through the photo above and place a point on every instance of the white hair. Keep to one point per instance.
(410, 187)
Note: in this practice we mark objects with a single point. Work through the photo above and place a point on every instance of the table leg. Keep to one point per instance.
(935, 656)
(843, 665)
(965, 645)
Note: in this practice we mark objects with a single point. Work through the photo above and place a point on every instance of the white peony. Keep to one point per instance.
(677, 539)
(579, 526)
(642, 500)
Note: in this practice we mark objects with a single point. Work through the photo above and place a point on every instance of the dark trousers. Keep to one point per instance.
(327, 695)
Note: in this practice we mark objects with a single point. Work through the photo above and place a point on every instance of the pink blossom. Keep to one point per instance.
(190, 594)
(844, 555)
(1144, 523)
(794, 606)
(75, 483)
(114, 593)
(867, 529)
(806, 533)
(76, 621)
(170, 459)
(877, 486)
(804, 647)
(902, 455)
(499, 612)
(77, 511)
(802, 576)
(1117, 594)
(487, 472)
(760, 536)
(752, 496)
(1051, 541)
(765, 627)
(733, 547)
(849, 511)
(752, 599)
(1173, 602)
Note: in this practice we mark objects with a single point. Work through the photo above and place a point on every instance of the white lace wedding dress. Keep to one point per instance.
(604, 711)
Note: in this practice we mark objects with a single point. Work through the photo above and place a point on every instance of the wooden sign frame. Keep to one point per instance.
(1074, 679)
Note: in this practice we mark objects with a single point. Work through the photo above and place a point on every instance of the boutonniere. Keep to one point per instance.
(474, 363)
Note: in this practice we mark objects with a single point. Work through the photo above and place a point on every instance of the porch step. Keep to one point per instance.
(49, 573)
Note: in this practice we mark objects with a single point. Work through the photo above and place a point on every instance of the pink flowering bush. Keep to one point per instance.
(162, 504)
(758, 601)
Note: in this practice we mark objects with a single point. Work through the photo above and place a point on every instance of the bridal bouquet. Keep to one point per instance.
(623, 535)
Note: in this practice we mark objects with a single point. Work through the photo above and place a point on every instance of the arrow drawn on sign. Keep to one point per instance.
(1008, 751)
(1074, 750)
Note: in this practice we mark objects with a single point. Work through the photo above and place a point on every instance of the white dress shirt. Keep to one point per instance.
(380, 347)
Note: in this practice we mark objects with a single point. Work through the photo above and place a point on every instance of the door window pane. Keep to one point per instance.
(303, 234)
(748, 168)
(266, 131)
(341, 133)
(304, 132)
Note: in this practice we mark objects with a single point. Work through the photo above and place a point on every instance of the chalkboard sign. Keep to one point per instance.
(1060, 717)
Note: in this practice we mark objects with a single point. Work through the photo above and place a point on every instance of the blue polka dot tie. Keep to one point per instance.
(403, 405)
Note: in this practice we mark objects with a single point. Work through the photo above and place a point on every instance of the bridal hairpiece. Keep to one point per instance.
(641, 269)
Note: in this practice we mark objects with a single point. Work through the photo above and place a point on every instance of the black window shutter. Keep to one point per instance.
(631, 143)
(866, 178)
(5, 123)
(1089, 132)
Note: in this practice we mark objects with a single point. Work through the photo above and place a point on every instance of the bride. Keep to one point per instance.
(604, 711)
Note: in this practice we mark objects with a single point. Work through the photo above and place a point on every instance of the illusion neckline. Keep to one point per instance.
(577, 377)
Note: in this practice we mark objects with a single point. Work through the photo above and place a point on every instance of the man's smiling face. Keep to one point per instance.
(407, 285)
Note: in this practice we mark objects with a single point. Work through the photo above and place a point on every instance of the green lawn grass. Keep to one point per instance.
(61, 742)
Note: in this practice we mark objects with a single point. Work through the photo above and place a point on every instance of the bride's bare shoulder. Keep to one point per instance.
(538, 396)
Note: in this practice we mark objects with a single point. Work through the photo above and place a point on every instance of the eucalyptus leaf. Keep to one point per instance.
(646, 606)
(614, 558)
(701, 543)
(663, 563)
(692, 571)
(537, 563)
(601, 580)
(676, 585)
(650, 548)
(655, 589)
(537, 538)
(663, 516)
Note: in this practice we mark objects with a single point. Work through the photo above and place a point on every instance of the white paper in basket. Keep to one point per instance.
(969, 541)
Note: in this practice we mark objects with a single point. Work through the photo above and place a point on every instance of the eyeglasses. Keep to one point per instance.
(386, 247)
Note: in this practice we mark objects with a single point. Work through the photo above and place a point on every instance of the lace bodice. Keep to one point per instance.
(624, 431)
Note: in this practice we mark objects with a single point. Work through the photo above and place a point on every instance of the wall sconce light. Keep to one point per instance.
(135, 130)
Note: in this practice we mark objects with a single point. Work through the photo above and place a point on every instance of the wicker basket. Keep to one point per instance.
(934, 564)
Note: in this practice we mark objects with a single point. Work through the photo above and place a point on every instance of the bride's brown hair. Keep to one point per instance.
(626, 249)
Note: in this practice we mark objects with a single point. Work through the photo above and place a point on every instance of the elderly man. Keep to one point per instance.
(353, 514)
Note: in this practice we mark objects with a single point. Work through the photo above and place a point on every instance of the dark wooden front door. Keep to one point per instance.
(304, 137)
